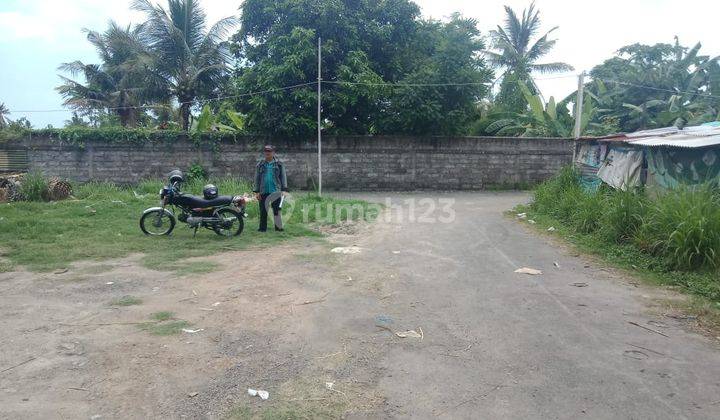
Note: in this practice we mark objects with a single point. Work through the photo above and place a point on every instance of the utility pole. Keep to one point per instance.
(579, 104)
(319, 118)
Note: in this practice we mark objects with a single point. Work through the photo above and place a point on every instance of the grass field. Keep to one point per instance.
(101, 222)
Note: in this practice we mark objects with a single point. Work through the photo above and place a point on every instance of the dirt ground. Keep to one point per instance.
(301, 322)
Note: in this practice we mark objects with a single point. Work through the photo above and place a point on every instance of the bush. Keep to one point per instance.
(196, 172)
(34, 187)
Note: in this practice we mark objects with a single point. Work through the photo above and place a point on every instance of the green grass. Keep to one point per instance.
(126, 301)
(164, 328)
(671, 238)
(102, 223)
(162, 316)
(163, 323)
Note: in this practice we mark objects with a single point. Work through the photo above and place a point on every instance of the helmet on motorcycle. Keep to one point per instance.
(176, 176)
(210, 191)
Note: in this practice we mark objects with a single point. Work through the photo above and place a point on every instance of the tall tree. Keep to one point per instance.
(190, 62)
(3, 112)
(372, 51)
(119, 85)
(517, 55)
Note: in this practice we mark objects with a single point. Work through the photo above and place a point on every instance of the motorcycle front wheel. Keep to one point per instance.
(157, 222)
(231, 223)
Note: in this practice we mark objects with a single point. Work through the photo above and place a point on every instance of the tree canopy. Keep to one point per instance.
(378, 59)
(385, 70)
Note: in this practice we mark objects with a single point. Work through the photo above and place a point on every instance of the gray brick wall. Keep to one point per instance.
(349, 162)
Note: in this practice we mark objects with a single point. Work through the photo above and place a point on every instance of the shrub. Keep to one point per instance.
(34, 187)
(196, 172)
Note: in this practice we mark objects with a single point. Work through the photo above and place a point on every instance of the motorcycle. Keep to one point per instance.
(222, 214)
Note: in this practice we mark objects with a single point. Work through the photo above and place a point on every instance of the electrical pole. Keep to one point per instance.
(579, 104)
(319, 117)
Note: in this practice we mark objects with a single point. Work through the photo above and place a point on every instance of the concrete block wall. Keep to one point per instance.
(349, 162)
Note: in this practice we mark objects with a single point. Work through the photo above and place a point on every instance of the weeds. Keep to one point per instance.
(163, 323)
(34, 187)
(674, 235)
(126, 301)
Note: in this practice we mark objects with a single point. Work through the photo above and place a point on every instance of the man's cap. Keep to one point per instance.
(268, 148)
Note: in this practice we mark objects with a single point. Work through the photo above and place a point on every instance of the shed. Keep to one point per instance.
(663, 157)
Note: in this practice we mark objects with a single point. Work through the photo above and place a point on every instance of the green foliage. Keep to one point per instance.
(374, 44)
(518, 56)
(650, 86)
(196, 172)
(681, 227)
(120, 84)
(34, 187)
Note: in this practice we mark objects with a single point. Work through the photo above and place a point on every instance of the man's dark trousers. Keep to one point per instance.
(263, 209)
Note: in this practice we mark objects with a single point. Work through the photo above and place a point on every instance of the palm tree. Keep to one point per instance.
(3, 112)
(518, 56)
(190, 61)
(121, 84)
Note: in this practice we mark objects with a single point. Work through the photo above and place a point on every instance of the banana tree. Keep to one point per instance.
(549, 119)
(207, 121)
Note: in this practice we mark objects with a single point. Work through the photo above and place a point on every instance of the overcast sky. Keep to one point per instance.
(37, 35)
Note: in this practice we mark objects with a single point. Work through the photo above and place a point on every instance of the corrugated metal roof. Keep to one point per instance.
(678, 140)
(690, 137)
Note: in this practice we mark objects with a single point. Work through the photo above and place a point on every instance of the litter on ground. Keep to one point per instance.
(527, 270)
(410, 334)
(522, 215)
(258, 393)
(551, 229)
(346, 250)
(189, 331)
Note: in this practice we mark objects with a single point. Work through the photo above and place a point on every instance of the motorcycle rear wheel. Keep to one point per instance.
(233, 217)
(157, 222)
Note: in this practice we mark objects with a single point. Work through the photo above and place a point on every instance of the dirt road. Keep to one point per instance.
(301, 322)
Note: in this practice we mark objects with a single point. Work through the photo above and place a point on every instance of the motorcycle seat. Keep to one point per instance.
(194, 201)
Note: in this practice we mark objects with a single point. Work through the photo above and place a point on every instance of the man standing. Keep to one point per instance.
(270, 185)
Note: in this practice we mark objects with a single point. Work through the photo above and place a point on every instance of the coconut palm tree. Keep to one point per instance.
(190, 61)
(121, 85)
(3, 112)
(518, 55)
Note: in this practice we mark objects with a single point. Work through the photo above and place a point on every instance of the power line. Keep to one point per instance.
(199, 101)
(707, 95)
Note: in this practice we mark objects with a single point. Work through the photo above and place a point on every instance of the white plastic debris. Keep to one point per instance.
(346, 250)
(410, 334)
(532, 222)
(258, 393)
(216, 304)
(329, 385)
(189, 331)
(110, 282)
(527, 270)
(396, 252)
(551, 229)
(522, 215)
